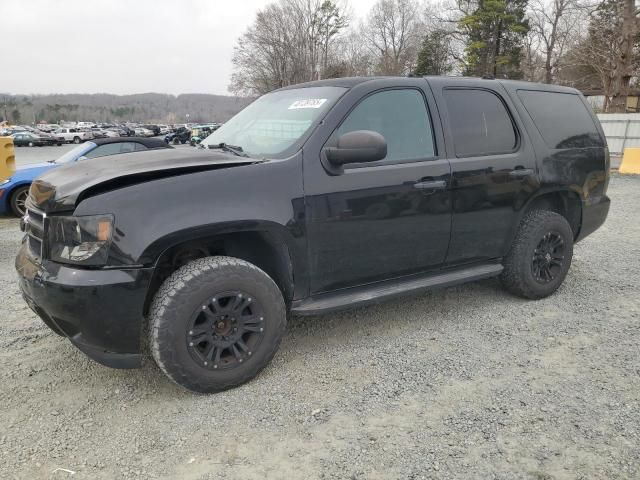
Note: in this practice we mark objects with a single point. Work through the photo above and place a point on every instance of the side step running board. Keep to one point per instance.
(379, 292)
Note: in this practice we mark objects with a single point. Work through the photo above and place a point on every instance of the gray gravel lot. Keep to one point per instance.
(466, 382)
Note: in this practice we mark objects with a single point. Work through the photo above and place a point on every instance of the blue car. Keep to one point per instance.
(14, 190)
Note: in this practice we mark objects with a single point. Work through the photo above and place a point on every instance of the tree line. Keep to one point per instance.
(592, 45)
(141, 108)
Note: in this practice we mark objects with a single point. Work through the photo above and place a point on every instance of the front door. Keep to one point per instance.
(385, 219)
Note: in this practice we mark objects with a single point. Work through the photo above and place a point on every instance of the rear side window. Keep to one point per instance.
(561, 118)
(479, 122)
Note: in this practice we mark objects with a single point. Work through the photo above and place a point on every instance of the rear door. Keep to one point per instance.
(493, 166)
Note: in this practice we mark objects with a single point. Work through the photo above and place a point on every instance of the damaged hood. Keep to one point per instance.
(61, 188)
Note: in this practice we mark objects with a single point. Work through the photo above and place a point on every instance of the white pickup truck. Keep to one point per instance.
(73, 135)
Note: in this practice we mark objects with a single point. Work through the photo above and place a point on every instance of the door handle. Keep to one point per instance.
(431, 185)
(521, 172)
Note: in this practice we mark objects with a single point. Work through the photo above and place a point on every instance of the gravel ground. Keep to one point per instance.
(466, 382)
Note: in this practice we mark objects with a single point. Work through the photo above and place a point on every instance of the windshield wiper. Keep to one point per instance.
(236, 150)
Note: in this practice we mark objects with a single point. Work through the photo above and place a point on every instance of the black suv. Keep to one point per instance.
(316, 197)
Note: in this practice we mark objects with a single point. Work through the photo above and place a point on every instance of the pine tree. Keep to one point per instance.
(495, 31)
(434, 57)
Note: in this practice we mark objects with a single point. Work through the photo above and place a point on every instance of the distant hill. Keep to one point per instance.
(102, 107)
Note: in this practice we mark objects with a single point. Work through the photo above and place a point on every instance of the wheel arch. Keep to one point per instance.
(264, 247)
(563, 201)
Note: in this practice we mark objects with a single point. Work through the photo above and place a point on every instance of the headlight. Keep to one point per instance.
(80, 240)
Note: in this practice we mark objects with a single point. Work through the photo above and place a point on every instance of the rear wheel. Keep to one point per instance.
(216, 323)
(540, 256)
(31, 144)
(18, 200)
(76, 139)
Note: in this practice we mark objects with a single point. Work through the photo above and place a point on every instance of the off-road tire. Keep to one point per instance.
(518, 275)
(183, 293)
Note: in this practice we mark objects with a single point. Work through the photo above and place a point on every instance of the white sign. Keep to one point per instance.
(308, 103)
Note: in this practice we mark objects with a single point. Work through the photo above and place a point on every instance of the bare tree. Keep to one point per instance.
(626, 39)
(288, 43)
(553, 25)
(393, 33)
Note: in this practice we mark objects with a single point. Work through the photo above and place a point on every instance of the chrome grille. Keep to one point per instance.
(34, 227)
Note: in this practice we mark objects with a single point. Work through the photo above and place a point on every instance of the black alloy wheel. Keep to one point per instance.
(226, 330)
(548, 258)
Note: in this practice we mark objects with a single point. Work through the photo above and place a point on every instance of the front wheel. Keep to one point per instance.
(540, 256)
(215, 323)
(18, 200)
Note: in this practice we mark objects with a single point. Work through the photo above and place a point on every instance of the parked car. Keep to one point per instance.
(73, 135)
(200, 132)
(143, 132)
(14, 190)
(129, 132)
(315, 197)
(181, 135)
(113, 133)
(98, 133)
(28, 139)
(154, 128)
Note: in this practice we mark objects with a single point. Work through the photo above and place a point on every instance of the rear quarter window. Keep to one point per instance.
(562, 119)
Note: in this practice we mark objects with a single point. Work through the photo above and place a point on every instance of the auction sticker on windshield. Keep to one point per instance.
(307, 103)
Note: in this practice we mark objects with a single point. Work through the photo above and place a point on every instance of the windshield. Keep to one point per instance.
(275, 122)
(74, 153)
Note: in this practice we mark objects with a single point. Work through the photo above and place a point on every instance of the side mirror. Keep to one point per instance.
(358, 146)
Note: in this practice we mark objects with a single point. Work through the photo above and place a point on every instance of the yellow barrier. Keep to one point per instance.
(630, 161)
(7, 158)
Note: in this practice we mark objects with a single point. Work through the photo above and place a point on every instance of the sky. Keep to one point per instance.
(124, 46)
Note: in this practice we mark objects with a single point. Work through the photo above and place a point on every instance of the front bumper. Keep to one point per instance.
(100, 311)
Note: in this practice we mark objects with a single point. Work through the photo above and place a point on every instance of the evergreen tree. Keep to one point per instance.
(495, 31)
(435, 56)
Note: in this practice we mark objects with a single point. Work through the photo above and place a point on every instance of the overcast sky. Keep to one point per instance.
(123, 46)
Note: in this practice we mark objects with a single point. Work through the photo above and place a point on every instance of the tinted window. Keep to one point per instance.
(126, 147)
(139, 146)
(562, 119)
(103, 150)
(479, 122)
(401, 117)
